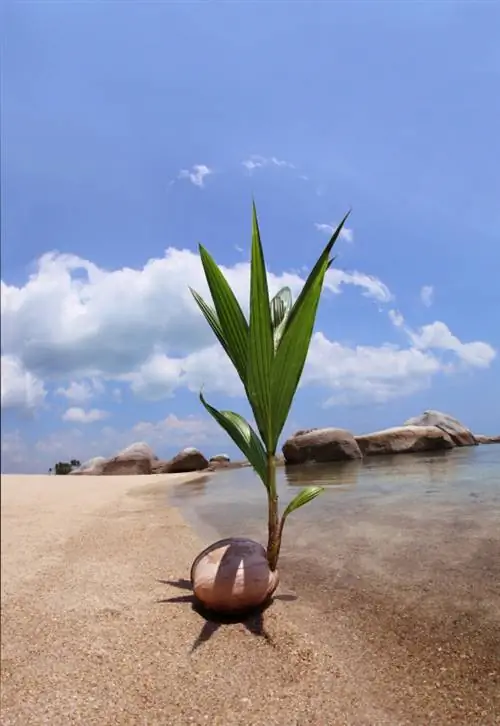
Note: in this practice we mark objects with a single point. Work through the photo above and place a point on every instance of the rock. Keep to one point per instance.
(220, 458)
(218, 465)
(92, 467)
(404, 440)
(135, 459)
(139, 450)
(122, 465)
(459, 434)
(482, 439)
(321, 445)
(160, 467)
(305, 431)
(188, 460)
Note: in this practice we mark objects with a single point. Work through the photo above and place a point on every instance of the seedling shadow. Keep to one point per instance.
(252, 619)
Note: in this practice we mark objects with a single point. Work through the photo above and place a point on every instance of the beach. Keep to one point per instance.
(92, 633)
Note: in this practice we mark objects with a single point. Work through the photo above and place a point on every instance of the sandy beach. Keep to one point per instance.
(93, 633)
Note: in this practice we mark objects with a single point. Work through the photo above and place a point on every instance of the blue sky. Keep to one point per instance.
(133, 131)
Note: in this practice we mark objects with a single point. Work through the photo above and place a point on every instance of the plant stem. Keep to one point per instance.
(273, 541)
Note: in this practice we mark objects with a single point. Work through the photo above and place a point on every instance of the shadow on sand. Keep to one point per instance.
(252, 619)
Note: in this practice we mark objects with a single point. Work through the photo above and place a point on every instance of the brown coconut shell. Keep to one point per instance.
(232, 575)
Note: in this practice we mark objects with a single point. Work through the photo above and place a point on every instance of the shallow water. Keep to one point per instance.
(404, 551)
(464, 481)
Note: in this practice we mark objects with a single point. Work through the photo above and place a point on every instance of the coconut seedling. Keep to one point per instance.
(268, 352)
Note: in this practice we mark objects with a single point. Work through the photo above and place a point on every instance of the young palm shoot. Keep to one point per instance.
(268, 352)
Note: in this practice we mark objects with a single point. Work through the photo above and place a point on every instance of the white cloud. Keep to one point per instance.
(75, 322)
(438, 336)
(188, 431)
(196, 174)
(427, 295)
(76, 414)
(81, 391)
(20, 388)
(396, 318)
(362, 374)
(208, 368)
(346, 233)
(259, 162)
(371, 286)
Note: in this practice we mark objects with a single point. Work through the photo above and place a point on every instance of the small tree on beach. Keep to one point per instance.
(65, 467)
(268, 352)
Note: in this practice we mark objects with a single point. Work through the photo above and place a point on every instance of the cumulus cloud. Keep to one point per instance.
(76, 325)
(196, 174)
(81, 391)
(188, 431)
(208, 368)
(259, 162)
(438, 336)
(75, 414)
(346, 233)
(371, 286)
(72, 319)
(427, 295)
(357, 374)
(20, 389)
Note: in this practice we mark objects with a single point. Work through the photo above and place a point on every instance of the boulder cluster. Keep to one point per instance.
(432, 431)
(139, 458)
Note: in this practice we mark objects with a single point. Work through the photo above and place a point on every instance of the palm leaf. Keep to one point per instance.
(293, 347)
(212, 320)
(303, 497)
(232, 321)
(243, 436)
(260, 340)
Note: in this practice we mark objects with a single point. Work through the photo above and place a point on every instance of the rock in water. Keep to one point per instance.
(482, 439)
(404, 440)
(459, 434)
(321, 445)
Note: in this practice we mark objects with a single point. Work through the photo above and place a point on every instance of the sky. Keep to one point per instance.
(131, 132)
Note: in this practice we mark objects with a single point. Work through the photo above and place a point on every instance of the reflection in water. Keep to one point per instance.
(450, 472)
(340, 474)
(190, 489)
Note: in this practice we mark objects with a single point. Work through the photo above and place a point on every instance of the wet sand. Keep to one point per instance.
(423, 605)
(93, 633)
